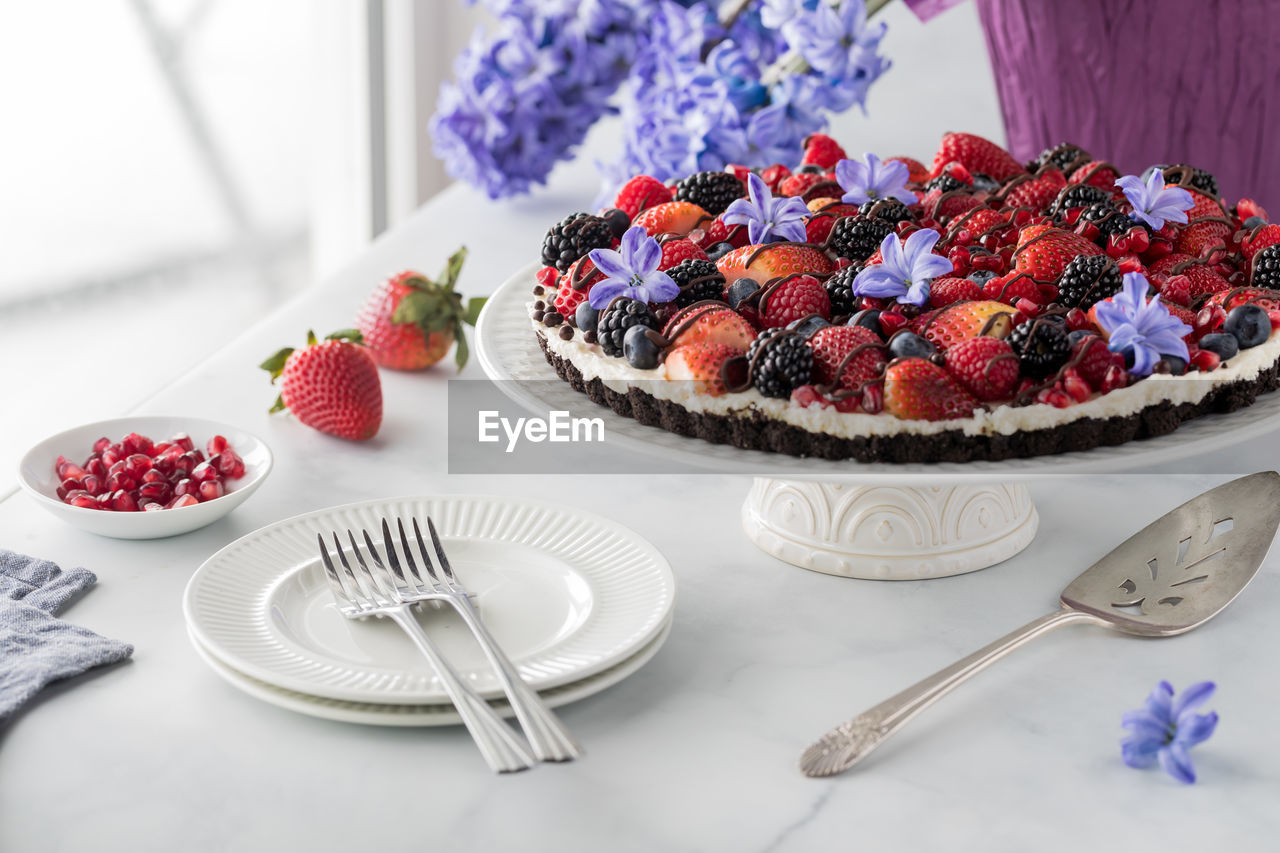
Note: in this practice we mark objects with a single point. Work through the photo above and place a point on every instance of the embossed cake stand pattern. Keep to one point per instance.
(884, 520)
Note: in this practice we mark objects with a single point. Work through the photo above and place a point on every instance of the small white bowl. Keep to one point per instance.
(37, 477)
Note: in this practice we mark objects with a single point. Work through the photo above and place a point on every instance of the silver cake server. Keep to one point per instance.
(1174, 575)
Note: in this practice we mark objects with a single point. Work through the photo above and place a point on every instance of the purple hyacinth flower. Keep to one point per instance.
(907, 270)
(767, 218)
(872, 179)
(632, 271)
(836, 41)
(1153, 202)
(1139, 327)
(1165, 729)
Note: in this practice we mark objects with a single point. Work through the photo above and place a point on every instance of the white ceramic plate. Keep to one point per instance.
(38, 479)
(374, 714)
(507, 350)
(566, 593)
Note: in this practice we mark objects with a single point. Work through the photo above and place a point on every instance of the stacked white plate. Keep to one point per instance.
(577, 601)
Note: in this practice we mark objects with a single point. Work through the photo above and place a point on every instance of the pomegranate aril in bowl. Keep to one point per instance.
(137, 471)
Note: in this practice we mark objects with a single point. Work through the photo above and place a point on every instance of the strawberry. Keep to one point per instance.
(916, 171)
(773, 261)
(960, 322)
(584, 274)
(676, 251)
(918, 389)
(833, 344)
(945, 291)
(409, 321)
(1043, 251)
(331, 386)
(977, 155)
(774, 176)
(1036, 193)
(822, 151)
(672, 217)
(704, 363)
(986, 367)
(1201, 279)
(1092, 360)
(641, 193)
(1098, 173)
(721, 326)
(1268, 300)
(798, 185)
(1258, 239)
(717, 232)
(793, 299)
(943, 207)
(1011, 287)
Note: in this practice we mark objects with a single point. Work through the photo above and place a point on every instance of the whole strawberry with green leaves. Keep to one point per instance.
(330, 385)
(409, 321)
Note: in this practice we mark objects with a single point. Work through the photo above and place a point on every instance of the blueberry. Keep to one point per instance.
(618, 221)
(1250, 324)
(981, 277)
(868, 318)
(740, 290)
(1222, 345)
(809, 326)
(1253, 222)
(640, 352)
(716, 251)
(1079, 335)
(1177, 366)
(586, 317)
(910, 345)
(984, 183)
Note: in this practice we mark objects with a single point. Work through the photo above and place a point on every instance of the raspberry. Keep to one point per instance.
(832, 345)
(639, 193)
(774, 176)
(1093, 360)
(823, 151)
(793, 299)
(798, 185)
(568, 298)
(678, 251)
(986, 367)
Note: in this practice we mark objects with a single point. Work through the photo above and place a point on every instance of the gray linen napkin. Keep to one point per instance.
(36, 647)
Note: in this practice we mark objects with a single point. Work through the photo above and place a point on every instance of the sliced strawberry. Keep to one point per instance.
(1043, 251)
(1268, 300)
(704, 363)
(917, 172)
(918, 389)
(673, 217)
(961, 322)
(773, 260)
(721, 326)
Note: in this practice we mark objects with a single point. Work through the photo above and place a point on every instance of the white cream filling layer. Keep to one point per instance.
(617, 375)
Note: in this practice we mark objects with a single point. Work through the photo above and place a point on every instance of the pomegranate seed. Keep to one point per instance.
(150, 506)
(1055, 397)
(155, 491)
(196, 457)
(1075, 385)
(101, 444)
(1274, 316)
(154, 476)
(1210, 319)
(137, 464)
(892, 321)
(96, 467)
(183, 440)
(184, 500)
(186, 487)
(1026, 306)
(121, 480)
(848, 404)
(873, 399)
(204, 471)
(182, 466)
(91, 484)
(215, 445)
(122, 501)
(210, 489)
(83, 500)
(65, 469)
(805, 395)
(159, 449)
(104, 500)
(135, 443)
(111, 456)
(1115, 377)
(230, 465)
(1205, 361)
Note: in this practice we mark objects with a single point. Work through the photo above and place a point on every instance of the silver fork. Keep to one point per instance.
(361, 593)
(547, 735)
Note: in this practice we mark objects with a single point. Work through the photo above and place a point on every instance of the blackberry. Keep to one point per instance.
(944, 183)
(1077, 195)
(711, 191)
(573, 237)
(1087, 280)
(857, 237)
(781, 361)
(1041, 347)
(840, 291)
(698, 280)
(889, 209)
(1199, 178)
(1062, 156)
(1266, 268)
(1108, 219)
(622, 314)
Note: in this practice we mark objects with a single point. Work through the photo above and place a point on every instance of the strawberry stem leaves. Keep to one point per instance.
(437, 308)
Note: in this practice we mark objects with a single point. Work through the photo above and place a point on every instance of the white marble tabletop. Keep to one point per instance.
(695, 752)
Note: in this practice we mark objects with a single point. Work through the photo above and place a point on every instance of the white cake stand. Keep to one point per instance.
(877, 520)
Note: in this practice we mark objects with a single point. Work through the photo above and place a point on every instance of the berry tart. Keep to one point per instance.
(977, 309)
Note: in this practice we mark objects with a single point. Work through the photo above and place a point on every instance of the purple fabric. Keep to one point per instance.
(926, 10)
(1144, 82)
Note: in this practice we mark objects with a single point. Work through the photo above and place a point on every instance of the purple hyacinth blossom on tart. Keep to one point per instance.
(767, 218)
(906, 271)
(1165, 728)
(1141, 328)
(871, 180)
(632, 271)
(1153, 202)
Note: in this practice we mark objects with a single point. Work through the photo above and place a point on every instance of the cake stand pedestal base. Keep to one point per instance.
(889, 532)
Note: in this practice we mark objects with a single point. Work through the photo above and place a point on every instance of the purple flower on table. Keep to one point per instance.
(1166, 727)
(1153, 202)
(871, 180)
(1140, 328)
(907, 271)
(632, 271)
(767, 218)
